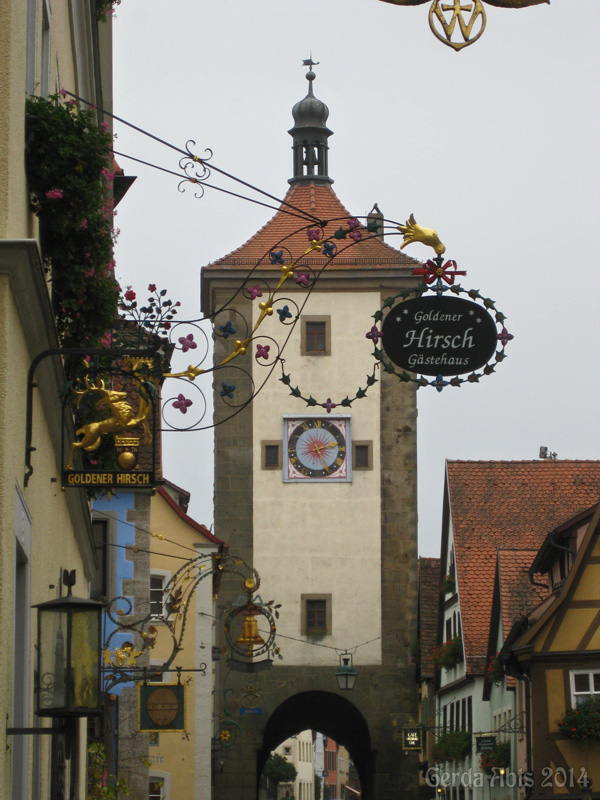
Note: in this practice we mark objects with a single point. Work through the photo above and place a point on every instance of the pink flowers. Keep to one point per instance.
(106, 340)
(182, 403)
(302, 279)
(84, 223)
(130, 295)
(262, 351)
(187, 342)
(54, 194)
(104, 126)
(314, 235)
(254, 292)
(64, 92)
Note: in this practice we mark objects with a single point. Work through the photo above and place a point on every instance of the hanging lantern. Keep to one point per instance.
(68, 676)
(345, 674)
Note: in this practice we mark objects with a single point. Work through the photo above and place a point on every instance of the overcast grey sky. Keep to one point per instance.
(497, 147)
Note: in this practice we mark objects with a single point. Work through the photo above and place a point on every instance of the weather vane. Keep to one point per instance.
(459, 23)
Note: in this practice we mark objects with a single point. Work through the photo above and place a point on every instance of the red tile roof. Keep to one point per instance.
(289, 231)
(429, 595)
(502, 504)
(518, 595)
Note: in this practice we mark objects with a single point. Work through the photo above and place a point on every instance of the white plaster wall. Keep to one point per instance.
(322, 537)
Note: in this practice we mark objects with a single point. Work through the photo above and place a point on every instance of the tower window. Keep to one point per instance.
(362, 455)
(271, 455)
(316, 614)
(316, 336)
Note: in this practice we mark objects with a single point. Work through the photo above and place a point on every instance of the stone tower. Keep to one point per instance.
(322, 501)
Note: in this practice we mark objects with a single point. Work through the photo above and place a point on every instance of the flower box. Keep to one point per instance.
(452, 746)
(582, 722)
(448, 654)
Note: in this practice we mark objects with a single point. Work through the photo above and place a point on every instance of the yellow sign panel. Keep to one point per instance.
(108, 480)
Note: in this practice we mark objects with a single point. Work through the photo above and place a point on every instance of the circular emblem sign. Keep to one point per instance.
(439, 335)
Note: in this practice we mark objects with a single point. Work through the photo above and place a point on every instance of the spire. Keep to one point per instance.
(310, 134)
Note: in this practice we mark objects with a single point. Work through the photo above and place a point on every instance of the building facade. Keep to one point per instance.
(334, 539)
(43, 530)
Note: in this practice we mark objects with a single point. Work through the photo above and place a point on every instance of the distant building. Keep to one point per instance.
(298, 750)
(146, 538)
(496, 516)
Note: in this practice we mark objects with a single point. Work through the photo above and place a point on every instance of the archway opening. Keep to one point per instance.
(334, 717)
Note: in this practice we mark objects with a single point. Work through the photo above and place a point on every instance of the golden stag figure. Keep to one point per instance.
(123, 418)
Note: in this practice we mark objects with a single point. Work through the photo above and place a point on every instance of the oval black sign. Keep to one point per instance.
(439, 335)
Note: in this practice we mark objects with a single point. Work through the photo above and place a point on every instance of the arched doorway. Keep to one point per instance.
(330, 714)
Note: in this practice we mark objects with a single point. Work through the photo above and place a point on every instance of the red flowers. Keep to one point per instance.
(130, 295)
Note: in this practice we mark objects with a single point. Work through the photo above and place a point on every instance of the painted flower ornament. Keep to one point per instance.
(262, 351)
(187, 342)
(254, 292)
(374, 334)
(182, 403)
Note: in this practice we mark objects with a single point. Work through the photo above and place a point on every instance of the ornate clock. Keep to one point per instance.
(317, 449)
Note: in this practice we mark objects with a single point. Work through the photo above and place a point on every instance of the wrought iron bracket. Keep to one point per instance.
(66, 351)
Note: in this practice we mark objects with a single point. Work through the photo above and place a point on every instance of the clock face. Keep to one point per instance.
(317, 449)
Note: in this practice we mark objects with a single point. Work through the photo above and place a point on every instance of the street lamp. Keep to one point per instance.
(68, 677)
(345, 674)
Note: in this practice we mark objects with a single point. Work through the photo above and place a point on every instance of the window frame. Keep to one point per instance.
(322, 318)
(583, 695)
(362, 443)
(166, 577)
(263, 457)
(304, 600)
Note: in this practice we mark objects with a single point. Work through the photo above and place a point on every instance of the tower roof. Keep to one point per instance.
(287, 230)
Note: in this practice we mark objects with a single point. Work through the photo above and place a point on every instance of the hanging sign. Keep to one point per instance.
(161, 707)
(439, 335)
(485, 744)
(412, 738)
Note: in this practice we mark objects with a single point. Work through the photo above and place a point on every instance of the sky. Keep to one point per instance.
(496, 147)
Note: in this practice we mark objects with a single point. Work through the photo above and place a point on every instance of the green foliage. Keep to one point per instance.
(101, 785)
(490, 763)
(583, 721)
(448, 585)
(448, 654)
(69, 160)
(279, 770)
(452, 746)
(317, 785)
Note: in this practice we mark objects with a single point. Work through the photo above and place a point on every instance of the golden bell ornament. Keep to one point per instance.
(250, 636)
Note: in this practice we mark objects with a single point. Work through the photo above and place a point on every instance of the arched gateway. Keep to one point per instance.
(330, 714)
(320, 499)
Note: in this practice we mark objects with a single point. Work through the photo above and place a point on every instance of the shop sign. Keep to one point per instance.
(437, 335)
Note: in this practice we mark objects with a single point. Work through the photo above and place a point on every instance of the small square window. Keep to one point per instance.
(271, 455)
(362, 455)
(315, 335)
(316, 614)
(582, 682)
